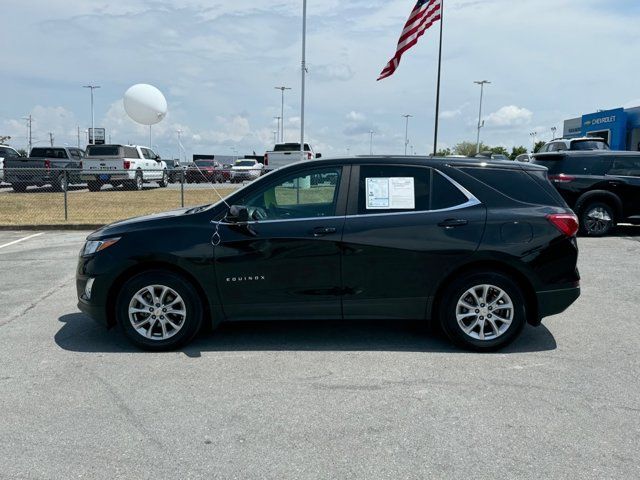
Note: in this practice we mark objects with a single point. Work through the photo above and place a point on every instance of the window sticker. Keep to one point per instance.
(391, 193)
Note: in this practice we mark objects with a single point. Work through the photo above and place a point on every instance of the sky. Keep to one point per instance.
(218, 61)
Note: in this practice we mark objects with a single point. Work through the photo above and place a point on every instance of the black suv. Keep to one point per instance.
(479, 247)
(603, 188)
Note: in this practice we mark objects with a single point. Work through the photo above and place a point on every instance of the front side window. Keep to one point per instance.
(303, 195)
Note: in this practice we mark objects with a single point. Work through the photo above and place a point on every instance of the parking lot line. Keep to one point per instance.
(21, 239)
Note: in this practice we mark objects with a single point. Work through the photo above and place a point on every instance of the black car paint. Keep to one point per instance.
(391, 266)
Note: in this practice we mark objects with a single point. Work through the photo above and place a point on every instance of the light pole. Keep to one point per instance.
(371, 132)
(553, 133)
(303, 70)
(282, 89)
(533, 141)
(406, 132)
(482, 83)
(29, 120)
(93, 130)
(278, 119)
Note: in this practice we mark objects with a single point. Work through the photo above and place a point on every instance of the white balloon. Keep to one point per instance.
(145, 104)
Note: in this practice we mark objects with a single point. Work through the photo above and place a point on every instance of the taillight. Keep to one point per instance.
(126, 164)
(266, 159)
(561, 178)
(47, 164)
(309, 156)
(567, 223)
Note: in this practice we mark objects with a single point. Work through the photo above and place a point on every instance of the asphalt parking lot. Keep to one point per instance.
(316, 400)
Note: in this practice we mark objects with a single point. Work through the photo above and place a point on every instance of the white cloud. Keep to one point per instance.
(509, 116)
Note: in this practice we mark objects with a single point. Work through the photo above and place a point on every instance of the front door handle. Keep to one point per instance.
(322, 231)
(453, 222)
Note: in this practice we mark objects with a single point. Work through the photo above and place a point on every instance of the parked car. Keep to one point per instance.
(602, 187)
(6, 152)
(492, 156)
(55, 166)
(286, 153)
(129, 166)
(175, 170)
(524, 157)
(245, 169)
(479, 247)
(209, 171)
(582, 144)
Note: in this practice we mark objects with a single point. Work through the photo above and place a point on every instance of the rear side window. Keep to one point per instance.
(391, 189)
(626, 167)
(131, 152)
(515, 184)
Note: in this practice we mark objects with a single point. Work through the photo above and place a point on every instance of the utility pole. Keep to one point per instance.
(78, 136)
(482, 83)
(29, 120)
(51, 138)
(406, 132)
(275, 137)
(282, 89)
(371, 132)
(93, 129)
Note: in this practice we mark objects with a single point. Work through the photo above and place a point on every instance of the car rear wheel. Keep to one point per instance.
(19, 187)
(483, 311)
(60, 184)
(94, 186)
(597, 219)
(159, 310)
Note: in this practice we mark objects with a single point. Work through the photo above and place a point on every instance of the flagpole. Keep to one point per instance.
(435, 133)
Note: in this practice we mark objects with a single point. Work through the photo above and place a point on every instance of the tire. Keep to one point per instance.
(159, 334)
(60, 184)
(137, 183)
(19, 187)
(481, 334)
(94, 186)
(597, 219)
(165, 180)
(219, 179)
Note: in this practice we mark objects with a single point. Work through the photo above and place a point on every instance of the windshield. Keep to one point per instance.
(589, 145)
(245, 163)
(48, 153)
(103, 151)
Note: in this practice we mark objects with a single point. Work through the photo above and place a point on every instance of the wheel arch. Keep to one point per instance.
(142, 267)
(488, 266)
(604, 196)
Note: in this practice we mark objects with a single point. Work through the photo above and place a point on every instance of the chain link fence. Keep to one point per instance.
(49, 196)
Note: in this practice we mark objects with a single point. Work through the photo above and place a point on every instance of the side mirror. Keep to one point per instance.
(158, 158)
(238, 214)
(318, 155)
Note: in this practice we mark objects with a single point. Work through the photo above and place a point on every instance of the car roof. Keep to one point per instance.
(421, 160)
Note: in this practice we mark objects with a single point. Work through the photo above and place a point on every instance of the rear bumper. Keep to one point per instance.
(105, 177)
(552, 302)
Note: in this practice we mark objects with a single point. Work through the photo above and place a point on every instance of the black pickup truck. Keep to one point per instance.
(55, 166)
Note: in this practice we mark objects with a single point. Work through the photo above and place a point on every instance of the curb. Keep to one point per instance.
(52, 227)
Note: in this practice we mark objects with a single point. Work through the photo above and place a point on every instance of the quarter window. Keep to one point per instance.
(307, 195)
(445, 194)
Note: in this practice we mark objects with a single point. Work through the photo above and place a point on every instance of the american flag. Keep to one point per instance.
(423, 15)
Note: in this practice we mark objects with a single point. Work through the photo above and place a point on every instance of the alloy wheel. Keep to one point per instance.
(597, 220)
(484, 312)
(157, 312)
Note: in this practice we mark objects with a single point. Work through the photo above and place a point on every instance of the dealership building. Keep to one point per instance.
(620, 127)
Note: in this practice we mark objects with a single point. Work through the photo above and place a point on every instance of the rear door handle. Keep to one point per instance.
(453, 222)
(322, 231)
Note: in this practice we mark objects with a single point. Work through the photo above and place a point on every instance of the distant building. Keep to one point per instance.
(619, 127)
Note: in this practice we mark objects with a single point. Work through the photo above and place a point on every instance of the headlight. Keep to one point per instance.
(93, 246)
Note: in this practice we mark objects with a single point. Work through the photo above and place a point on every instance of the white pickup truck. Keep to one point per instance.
(287, 153)
(128, 165)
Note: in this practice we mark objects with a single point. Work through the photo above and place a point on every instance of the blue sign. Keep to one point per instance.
(613, 121)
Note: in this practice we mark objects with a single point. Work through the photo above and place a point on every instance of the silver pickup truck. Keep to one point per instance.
(55, 166)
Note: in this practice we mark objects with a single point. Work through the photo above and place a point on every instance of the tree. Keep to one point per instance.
(22, 152)
(4, 139)
(499, 151)
(468, 149)
(443, 152)
(515, 151)
(538, 146)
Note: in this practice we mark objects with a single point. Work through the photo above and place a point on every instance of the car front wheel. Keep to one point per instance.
(483, 311)
(159, 310)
